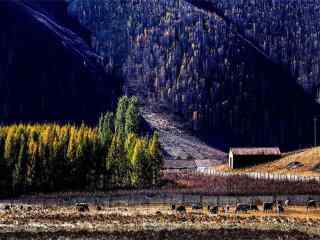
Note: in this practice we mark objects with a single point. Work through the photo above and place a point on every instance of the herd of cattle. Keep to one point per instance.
(240, 207)
(243, 207)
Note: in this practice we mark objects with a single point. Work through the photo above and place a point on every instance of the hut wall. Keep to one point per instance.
(240, 161)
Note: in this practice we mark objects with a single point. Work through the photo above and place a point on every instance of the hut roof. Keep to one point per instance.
(206, 163)
(179, 164)
(256, 151)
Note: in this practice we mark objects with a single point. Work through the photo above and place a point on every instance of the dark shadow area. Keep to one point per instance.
(47, 72)
(223, 233)
(266, 107)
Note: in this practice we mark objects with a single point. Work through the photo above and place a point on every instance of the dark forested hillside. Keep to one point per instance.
(288, 31)
(47, 71)
(195, 64)
(238, 71)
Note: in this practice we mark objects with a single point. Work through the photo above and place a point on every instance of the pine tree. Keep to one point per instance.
(130, 145)
(111, 162)
(46, 153)
(4, 171)
(10, 147)
(132, 117)
(59, 158)
(136, 168)
(18, 169)
(155, 158)
(146, 165)
(33, 169)
(122, 163)
(72, 146)
(140, 173)
(106, 128)
(120, 118)
(116, 162)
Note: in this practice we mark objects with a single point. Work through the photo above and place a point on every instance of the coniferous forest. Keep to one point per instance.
(52, 157)
(254, 88)
(179, 59)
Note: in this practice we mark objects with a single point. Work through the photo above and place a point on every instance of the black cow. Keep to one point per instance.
(7, 207)
(253, 207)
(213, 210)
(242, 207)
(197, 206)
(280, 208)
(99, 208)
(267, 206)
(311, 204)
(173, 207)
(82, 207)
(181, 209)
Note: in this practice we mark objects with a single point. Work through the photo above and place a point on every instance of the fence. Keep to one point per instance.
(161, 198)
(261, 175)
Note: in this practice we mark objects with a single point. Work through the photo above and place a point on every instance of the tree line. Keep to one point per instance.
(53, 157)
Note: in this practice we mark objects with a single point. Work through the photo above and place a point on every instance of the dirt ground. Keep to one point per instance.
(154, 221)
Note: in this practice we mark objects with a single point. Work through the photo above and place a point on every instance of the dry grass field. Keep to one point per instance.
(309, 158)
(154, 221)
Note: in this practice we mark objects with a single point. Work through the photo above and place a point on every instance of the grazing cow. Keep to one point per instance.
(197, 206)
(82, 207)
(99, 208)
(227, 208)
(287, 202)
(181, 209)
(253, 207)
(311, 204)
(173, 207)
(280, 208)
(242, 207)
(213, 210)
(7, 207)
(29, 208)
(267, 206)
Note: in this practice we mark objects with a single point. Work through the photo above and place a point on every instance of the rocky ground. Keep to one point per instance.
(156, 221)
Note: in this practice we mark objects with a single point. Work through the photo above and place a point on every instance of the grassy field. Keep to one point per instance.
(235, 185)
(154, 221)
(310, 158)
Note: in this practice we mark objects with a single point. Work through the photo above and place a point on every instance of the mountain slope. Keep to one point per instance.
(177, 143)
(288, 31)
(195, 65)
(47, 71)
